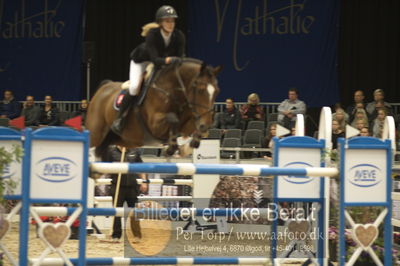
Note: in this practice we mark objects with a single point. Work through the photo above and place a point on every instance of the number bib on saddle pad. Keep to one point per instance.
(118, 99)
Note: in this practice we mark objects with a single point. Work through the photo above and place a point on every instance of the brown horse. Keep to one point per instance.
(179, 101)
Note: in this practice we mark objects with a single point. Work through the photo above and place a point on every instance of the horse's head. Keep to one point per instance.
(201, 96)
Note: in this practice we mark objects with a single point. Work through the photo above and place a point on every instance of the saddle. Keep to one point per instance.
(145, 82)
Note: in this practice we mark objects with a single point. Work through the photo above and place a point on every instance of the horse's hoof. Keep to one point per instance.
(171, 150)
(195, 144)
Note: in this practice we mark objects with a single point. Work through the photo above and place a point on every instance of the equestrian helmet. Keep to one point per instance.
(166, 12)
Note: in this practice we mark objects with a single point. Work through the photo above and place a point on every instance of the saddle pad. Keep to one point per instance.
(118, 99)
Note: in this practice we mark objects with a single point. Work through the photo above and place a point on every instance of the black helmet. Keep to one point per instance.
(166, 12)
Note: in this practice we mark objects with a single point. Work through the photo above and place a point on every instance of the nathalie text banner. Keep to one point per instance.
(269, 46)
(40, 43)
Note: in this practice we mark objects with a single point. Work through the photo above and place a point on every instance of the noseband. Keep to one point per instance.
(194, 87)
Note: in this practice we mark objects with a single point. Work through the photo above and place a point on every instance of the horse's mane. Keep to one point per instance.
(171, 67)
(192, 60)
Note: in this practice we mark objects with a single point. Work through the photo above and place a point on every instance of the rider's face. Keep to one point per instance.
(168, 24)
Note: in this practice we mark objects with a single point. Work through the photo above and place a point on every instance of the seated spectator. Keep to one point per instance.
(230, 117)
(268, 141)
(252, 110)
(338, 106)
(358, 99)
(9, 108)
(340, 117)
(48, 113)
(289, 108)
(292, 131)
(82, 110)
(364, 132)
(379, 96)
(361, 123)
(360, 114)
(358, 106)
(31, 112)
(379, 105)
(377, 124)
(337, 132)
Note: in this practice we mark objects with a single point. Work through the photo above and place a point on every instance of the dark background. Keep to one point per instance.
(368, 47)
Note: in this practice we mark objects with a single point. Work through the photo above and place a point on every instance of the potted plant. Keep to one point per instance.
(363, 215)
(6, 157)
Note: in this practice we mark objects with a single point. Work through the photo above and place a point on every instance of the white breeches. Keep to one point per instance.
(136, 71)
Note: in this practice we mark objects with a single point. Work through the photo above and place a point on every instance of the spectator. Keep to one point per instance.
(361, 123)
(358, 106)
(379, 96)
(268, 141)
(360, 114)
(82, 110)
(358, 99)
(338, 106)
(377, 124)
(337, 132)
(292, 132)
(289, 108)
(379, 105)
(48, 113)
(31, 112)
(252, 110)
(364, 132)
(9, 108)
(128, 190)
(340, 117)
(230, 117)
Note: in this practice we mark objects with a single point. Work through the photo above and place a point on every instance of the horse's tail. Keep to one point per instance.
(102, 149)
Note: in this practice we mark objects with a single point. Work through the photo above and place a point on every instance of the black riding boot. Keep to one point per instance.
(119, 123)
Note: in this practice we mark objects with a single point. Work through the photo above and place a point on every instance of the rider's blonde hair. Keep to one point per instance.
(147, 27)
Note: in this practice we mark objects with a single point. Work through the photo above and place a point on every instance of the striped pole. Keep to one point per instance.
(211, 169)
(98, 199)
(186, 182)
(162, 261)
(156, 212)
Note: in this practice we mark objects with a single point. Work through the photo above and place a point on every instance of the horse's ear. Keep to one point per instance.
(203, 67)
(218, 69)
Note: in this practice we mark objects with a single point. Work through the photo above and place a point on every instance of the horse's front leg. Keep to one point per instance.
(195, 143)
(172, 144)
(197, 135)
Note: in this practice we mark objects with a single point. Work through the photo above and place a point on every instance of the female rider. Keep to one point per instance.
(164, 45)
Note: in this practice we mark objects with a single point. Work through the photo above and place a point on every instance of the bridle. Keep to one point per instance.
(194, 87)
(187, 104)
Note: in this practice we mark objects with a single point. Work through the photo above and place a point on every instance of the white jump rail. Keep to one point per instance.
(158, 181)
(191, 169)
(163, 261)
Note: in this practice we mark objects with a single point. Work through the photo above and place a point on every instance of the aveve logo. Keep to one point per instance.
(365, 175)
(56, 169)
(8, 171)
(297, 179)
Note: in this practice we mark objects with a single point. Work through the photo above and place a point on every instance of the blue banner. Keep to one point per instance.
(41, 46)
(269, 46)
